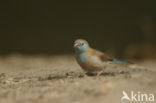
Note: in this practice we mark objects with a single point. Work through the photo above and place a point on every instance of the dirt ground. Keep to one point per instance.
(59, 79)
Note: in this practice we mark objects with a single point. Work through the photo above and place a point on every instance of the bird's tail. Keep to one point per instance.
(119, 61)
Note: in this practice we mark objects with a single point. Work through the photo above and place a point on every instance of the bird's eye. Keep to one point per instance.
(82, 44)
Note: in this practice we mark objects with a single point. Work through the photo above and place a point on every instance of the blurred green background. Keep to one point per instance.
(50, 27)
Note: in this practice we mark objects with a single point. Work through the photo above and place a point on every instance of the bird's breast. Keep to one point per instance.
(82, 58)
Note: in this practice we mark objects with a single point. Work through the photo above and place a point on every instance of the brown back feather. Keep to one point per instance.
(103, 56)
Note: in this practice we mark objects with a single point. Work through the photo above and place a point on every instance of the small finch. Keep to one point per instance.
(92, 60)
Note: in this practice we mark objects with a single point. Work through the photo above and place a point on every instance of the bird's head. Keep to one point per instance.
(81, 45)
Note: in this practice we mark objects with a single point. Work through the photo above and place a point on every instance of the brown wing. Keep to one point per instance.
(103, 56)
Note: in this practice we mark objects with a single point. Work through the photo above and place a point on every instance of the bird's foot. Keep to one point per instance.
(99, 73)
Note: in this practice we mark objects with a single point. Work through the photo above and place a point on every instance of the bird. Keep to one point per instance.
(92, 60)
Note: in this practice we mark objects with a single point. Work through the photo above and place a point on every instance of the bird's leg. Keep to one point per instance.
(99, 73)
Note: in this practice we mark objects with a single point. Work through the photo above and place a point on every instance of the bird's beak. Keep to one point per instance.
(76, 45)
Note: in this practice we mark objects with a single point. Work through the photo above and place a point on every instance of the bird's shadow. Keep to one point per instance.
(102, 74)
(72, 75)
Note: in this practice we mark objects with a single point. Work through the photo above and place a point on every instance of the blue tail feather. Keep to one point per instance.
(119, 61)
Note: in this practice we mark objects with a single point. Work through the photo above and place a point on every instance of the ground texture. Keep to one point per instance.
(59, 79)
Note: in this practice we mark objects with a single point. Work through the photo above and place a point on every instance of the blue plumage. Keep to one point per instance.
(82, 59)
(119, 61)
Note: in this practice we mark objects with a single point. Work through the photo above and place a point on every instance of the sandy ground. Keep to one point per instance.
(59, 79)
